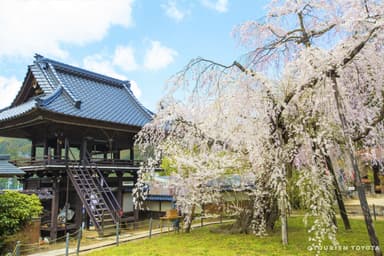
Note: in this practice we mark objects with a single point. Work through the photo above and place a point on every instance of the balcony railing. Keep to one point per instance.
(48, 160)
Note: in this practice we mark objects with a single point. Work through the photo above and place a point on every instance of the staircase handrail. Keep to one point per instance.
(106, 188)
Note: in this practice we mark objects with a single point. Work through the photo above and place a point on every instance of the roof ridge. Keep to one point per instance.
(81, 71)
(43, 71)
(76, 102)
(44, 101)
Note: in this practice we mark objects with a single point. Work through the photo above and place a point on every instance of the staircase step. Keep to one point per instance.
(106, 216)
(94, 194)
(109, 226)
(106, 222)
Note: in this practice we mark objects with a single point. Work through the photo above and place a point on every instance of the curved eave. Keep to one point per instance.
(140, 106)
(37, 115)
(61, 118)
(17, 112)
(15, 126)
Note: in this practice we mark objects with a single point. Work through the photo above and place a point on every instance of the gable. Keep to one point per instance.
(35, 84)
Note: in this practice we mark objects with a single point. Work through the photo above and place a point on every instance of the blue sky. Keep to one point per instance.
(143, 41)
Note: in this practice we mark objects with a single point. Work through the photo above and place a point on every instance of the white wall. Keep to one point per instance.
(127, 202)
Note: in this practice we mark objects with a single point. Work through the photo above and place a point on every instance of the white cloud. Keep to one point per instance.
(135, 89)
(218, 5)
(43, 26)
(172, 11)
(124, 58)
(97, 63)
(158, 56)
(9, 88)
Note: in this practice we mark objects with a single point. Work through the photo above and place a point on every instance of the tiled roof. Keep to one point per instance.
(77, 92)
(9, 113)
(7, 169)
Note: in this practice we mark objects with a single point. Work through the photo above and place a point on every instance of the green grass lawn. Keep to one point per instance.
(204, 242)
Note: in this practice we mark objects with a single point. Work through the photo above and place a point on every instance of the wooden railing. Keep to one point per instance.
(61, 161)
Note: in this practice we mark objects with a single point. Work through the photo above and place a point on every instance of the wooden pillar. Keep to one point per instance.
(116, 155)
(55, 153)
(116, 150)
(49, 156)
(132, 153)
(66, 154)
(119, 195)
(110, 147)
(78, 211)
(83, 150)
(54, 207)
(58, 148)
(45, 148)
(33, 150)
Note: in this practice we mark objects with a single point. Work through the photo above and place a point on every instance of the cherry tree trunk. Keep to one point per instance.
(189, 222)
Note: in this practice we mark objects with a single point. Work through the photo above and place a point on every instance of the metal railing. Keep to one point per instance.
(82, 240)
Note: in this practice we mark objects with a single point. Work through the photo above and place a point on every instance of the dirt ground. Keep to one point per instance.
(377, 199)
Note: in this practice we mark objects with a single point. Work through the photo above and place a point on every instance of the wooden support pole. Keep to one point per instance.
(66, 202)
(17, 249)
(150, 227)
(117, 233)
(339, 197)
(66, 145)
(54, 208)
(67, 244)
(79, 237)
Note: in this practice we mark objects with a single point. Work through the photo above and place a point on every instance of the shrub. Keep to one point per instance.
(16, 209)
